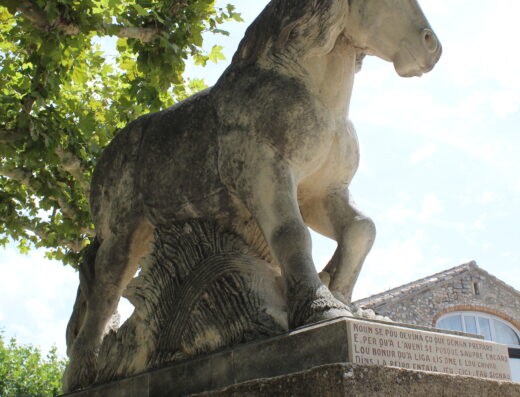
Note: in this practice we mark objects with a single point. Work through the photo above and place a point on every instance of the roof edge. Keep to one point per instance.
(422, 282)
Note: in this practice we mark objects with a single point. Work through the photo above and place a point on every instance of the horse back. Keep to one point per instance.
(158, 165)
(178, 164)
(113, 187)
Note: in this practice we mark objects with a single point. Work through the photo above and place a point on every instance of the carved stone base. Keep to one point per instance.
(332, 380)
(311, 361)
(199, 291)
(348, 380)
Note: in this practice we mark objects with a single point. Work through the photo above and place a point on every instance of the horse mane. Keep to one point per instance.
(279, 23)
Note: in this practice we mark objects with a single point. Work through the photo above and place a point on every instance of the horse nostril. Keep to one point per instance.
(430, 41)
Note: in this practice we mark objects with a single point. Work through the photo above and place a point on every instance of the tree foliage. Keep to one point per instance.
(25, 372)
(62, 99)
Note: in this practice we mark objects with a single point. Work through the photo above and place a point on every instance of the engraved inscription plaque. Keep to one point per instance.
(394, 346)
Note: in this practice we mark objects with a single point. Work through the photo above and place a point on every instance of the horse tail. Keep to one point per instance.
(86, 280)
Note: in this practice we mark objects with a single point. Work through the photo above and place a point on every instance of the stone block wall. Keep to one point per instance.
(473, 290)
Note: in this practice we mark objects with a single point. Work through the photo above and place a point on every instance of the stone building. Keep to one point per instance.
(464, 298)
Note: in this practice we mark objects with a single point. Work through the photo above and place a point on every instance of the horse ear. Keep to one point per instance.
(359, 60)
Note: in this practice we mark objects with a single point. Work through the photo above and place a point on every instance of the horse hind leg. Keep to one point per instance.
(115, 264)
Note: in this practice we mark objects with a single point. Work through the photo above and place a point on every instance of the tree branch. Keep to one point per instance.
(19, 175)
(72, 164)
(34, 14)
(39, 20)
(145, 35)
(43, 235)
(10, 136)
(25, 177)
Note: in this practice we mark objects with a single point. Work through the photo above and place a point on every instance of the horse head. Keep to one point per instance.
(396, 31)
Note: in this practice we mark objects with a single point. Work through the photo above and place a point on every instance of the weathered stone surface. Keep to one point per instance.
(284, 358)
(348, 380)
(199, 291)
(266, 152)
(332, 380)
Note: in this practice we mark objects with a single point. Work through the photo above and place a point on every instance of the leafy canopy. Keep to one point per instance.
(24, 371)
(62, 99)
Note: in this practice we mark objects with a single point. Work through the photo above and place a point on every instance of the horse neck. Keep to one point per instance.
(330, 77)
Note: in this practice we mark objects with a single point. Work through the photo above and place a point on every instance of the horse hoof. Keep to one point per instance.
(327, 314)
(317, 306)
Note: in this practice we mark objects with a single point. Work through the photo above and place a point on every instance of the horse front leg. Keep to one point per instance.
(270, 194)
(335, 216)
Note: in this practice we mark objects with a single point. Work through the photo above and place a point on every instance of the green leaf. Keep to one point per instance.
(61, 91)
(220, 31)
(11, 5)
(25, 371)
(216, 54)
(140, 10)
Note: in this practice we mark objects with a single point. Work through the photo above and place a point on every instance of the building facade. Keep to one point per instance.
(464, 298)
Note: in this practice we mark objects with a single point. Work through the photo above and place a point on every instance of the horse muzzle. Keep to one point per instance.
(417, 57)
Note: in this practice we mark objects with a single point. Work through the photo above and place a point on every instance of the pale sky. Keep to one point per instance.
(439, 169)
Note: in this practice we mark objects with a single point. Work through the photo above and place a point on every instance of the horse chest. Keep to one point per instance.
(267, 109)
(336, 165)
(344, 155)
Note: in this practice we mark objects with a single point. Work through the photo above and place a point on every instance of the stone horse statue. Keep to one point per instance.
(266, 152)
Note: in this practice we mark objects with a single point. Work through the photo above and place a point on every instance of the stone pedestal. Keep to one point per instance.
(350, 380)
(342, 357)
